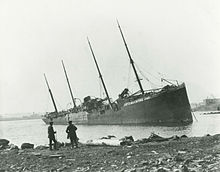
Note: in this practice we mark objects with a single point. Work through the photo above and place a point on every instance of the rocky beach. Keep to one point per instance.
(181, 154)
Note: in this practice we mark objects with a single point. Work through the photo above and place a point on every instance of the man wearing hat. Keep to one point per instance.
(51, 135)
(71, 134)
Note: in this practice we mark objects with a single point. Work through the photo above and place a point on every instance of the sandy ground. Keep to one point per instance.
(186, 154)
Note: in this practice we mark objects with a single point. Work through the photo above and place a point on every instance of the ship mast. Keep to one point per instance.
(100, 75)
(51, 95)
(131, 60)
(71, 93)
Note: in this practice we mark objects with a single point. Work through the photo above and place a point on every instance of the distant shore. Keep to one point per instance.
(19, 118)
(192, 154)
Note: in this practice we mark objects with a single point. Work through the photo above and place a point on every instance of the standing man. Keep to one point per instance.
(51, 136)
(71, 134)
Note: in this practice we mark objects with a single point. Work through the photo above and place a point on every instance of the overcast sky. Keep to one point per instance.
(175, 39)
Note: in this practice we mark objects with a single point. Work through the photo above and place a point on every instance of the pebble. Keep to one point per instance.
(160, 161)
(178, 158)
(135, 165)
(144, 163)
(70, 159)
(123, 162)
(184, 168)
(181, 152)
(141, 169)
(56, 156)
(129, 153)
(154, 152)
(130, 170)
(161, 169)
(187, 161)
(36, 153)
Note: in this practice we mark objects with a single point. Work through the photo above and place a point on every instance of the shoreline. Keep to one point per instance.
(17, 119)
(192, 154)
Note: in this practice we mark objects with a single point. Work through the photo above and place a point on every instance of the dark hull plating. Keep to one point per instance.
(167, 107)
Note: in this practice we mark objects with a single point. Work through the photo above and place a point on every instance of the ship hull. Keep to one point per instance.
(167, 107)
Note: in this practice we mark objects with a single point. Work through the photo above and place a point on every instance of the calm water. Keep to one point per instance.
(35, 131)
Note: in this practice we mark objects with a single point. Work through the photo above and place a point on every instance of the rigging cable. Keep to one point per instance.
(129, 74)
(151, 75)
(155, 77)
(100, 88)
(101, 92)
(59, 104)
(47, 103)
(151, 83)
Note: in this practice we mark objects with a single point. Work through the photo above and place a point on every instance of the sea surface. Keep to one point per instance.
(35, 131)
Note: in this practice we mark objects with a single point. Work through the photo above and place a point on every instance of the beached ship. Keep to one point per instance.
(167, 105)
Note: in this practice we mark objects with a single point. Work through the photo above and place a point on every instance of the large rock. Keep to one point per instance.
(67, 144)
(59, 145)
(127, 140)
(108, 137)
(27, 146)
(156, 138)
(184, 136)
(12, 146)
(4, 142)
(41, 147)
